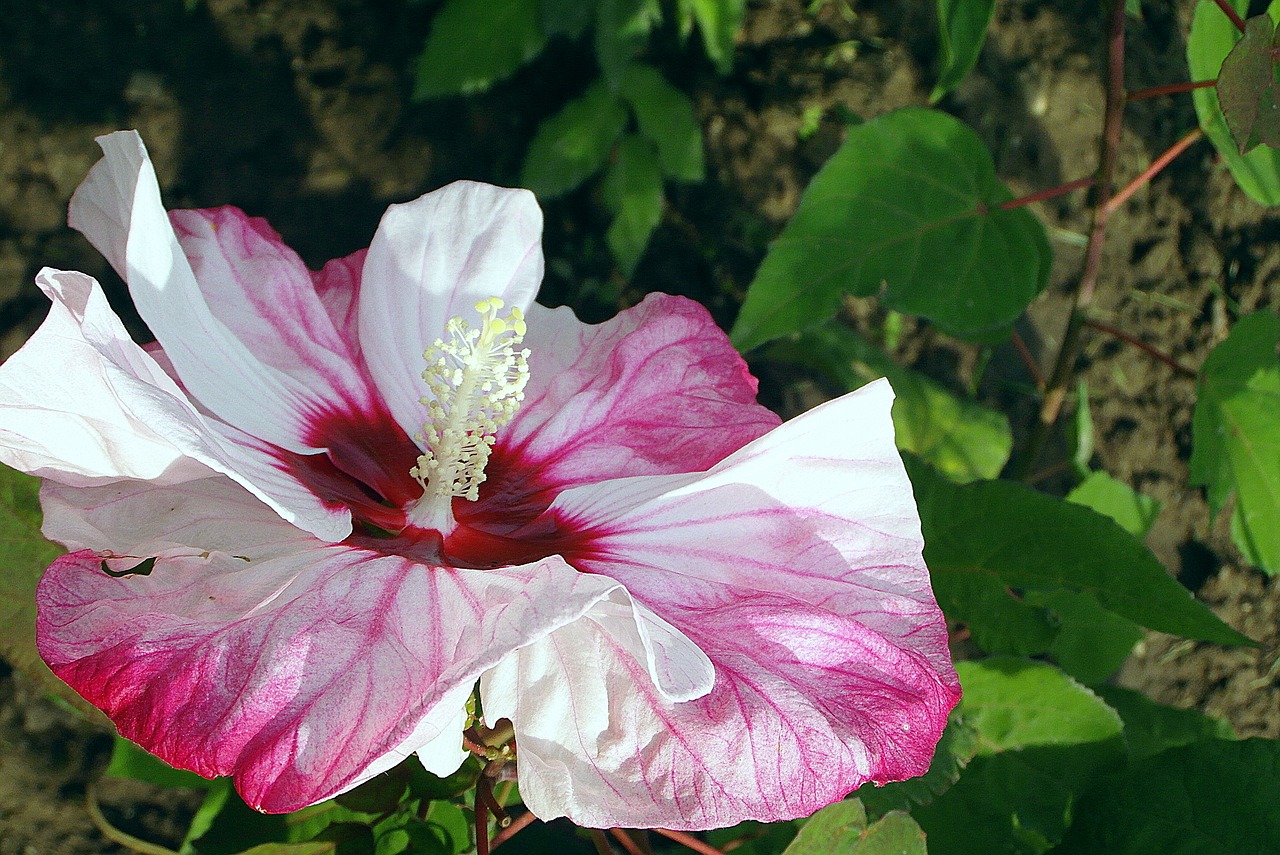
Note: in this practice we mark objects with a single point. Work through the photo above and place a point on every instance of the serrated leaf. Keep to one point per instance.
(574, 144)
(834, 829)
(622, 29)
(1034, 542)
(1018, 703)
(1211, 39)
(719, 22)
(962, 28)
(25, 554)
(909, 209)
(1247, 88)
(1150, 728)
(958, 436)
(1236, 435)
(1044, 737)
(633, 192)
(1134, 511)
(665, 115)
(1207, 798)
(475, 43)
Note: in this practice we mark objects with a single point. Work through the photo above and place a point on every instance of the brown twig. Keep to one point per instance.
(601, 842)
(1024, 353)
(1169, 89)
(1146, 348)
(628, 843)
(688, 841)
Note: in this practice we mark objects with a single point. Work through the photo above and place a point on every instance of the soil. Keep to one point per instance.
(299, 110)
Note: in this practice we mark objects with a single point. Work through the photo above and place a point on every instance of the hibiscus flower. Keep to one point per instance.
(326, 512)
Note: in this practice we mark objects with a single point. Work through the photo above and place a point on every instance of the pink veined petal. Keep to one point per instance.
(338, 287)
(807, 706)
(656, 390)
(431, 260)
(85, 405)
(295, 666)
(226, 356)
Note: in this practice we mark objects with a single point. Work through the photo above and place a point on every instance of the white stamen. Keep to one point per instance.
(477, 381)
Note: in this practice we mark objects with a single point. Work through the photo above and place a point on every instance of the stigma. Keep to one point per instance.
(475, 379)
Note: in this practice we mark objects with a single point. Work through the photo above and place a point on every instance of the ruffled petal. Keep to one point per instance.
(432, 260)
(807, 706)
(298, 667)
(83, 404)
(795, 565)
(245, 330)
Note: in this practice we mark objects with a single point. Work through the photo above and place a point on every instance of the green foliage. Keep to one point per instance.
(960, 437)
(130, 760)
(1150, 728)
(574, 144)
(1211, 39)
(957, 747)
(842, 829)
(962, 28)
(1247, 89)
(1236, 435)
(633, 193)
(475, 43)
(718, 21)
(908, 208)
(1041, 543)
(622, 28)
(1135, 512)
(1208, 798)
(665, 115)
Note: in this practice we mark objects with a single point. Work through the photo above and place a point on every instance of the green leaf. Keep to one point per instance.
(1211, 39)
(1207, 798)
(1247, 89)
(1150, 728)
(962, 28)
(25, 554)
(622, 29)
(755, 838)
(475, 43)
(1135, 512)
(1236, 435)
(999, 619)
(215, 799)
(665, 115)
(428, 787)
(1091, 643)
(909, 209)
(130, 760)
(894, 834)
(1018, 703)
(960, 437)
(633, 192)
(573, 144)
(1030, 541)
(564, 17)
(1043, 738)
(833, 829)
(719, 21)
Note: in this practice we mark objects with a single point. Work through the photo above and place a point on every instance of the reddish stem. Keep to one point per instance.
(1169, 89)
(1151, 171)
(689, 841)
(1024, 353)
(1158, 355)
(1041, 195)
(517, 825)
(627, 842)
(1230, 12)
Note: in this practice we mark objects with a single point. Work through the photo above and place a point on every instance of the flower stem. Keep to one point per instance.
(1169, 89)
(517, 825)
(1064, 365)
(627, 841)
(1230, 12)
(601, 842)
(1158, 355)
(689, 841)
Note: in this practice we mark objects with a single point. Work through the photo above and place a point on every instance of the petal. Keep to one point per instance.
(85, 405)
(432, 260)
(296, 667)
(656, 390)
(338, 286)
(223, 324)
(807, 706)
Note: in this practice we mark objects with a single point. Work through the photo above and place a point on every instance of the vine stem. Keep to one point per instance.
(1151, 171)
(1158, 355)
(1064, 365)
(688, 841)
(1170, 89)
(1230, 12)
(517, 825)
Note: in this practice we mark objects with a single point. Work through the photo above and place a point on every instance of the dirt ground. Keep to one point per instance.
(298, 110)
